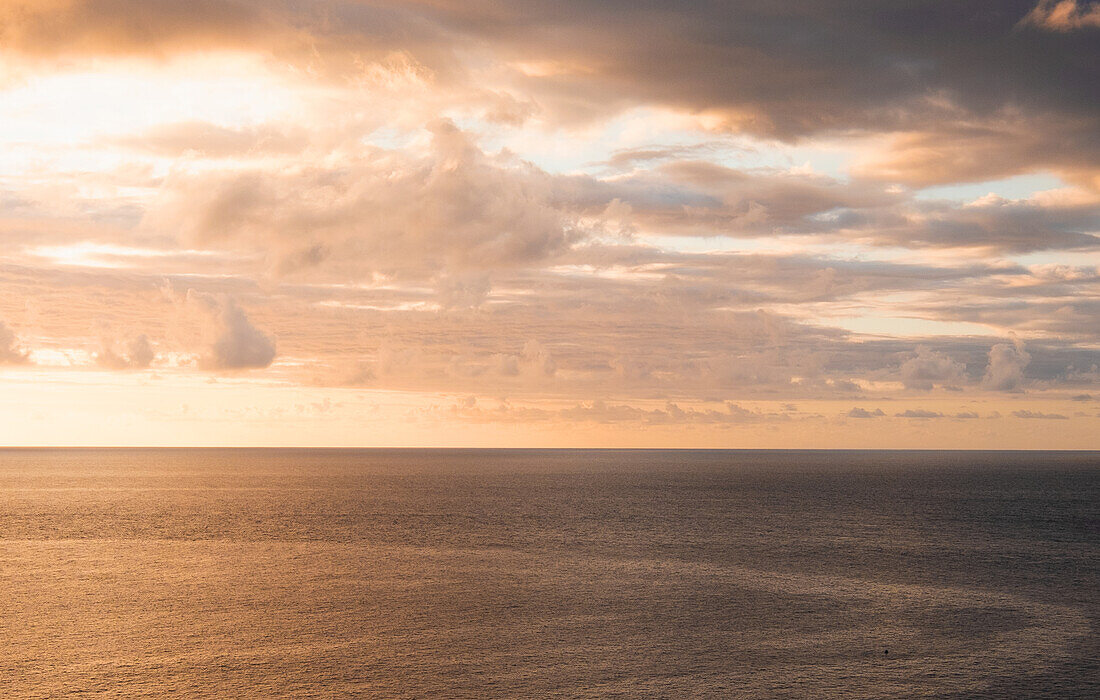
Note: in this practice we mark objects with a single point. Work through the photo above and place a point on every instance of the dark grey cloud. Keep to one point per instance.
(790, 70)
(845, 61)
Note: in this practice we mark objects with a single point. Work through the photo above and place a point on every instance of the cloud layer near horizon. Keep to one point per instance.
(531, 203)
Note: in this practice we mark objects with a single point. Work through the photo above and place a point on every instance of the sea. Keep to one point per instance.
(302, 573)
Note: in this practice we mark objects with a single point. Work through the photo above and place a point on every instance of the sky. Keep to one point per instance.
(550, 223)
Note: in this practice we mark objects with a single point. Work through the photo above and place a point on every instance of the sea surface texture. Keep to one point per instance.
(540, 574)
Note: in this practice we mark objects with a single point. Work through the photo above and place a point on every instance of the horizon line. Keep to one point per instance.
(538, 448)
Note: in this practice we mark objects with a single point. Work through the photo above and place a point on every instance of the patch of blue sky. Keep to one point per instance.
(588, 149)
(392, 138)
(908, 327)
(1076, 258)
(821, 248)
(1019, 187)
(709, 244)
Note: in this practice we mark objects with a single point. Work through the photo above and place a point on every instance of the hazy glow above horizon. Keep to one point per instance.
(378, 223)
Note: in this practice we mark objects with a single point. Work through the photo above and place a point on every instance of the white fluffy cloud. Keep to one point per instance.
(1006, 367)
(927, 368)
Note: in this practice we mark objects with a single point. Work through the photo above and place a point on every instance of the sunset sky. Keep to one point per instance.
(550, 223)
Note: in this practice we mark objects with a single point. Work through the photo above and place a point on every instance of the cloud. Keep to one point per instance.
(864, 413)
(596, 220)
(786, 71)
(640, 324)
(928, 367)
(455, 210)
(699, 198)
(233, 342)
(1006, 367)
(1037, 414)
(44, 27)
(534, 361)
(991, 223)
(989, 150)
(457, 291)
(139, 354)
(323, 38)
(10, 352)
(1073, 318)
(1064, 15)
(213, 141)
(614, 413)
(816, 68)
(919, 413)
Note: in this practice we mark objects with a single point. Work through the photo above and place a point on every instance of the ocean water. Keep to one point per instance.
(540, 574)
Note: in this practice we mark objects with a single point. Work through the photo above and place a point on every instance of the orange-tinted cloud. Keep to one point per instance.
(10, 352)
(531, 203)
(139, 354)
(233, 343)
(1064, 15)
